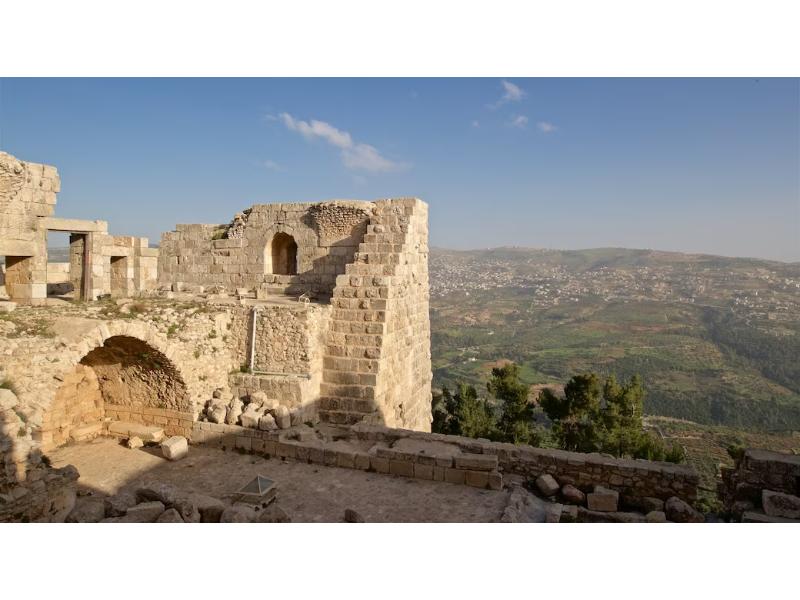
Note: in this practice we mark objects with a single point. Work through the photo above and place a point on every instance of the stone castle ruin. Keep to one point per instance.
(99, 263)
(299, 331)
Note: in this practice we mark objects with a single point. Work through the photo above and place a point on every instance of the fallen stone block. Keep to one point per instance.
(86, 432)
(134, 442)
(234, 411)
(166, 493)
(650, 504)
(87, 510)
(572, 495)
(267, 423)
(777, 504)
(170, 516)
(599, 516)
(656, 516)
(118, 505)
(147, 433)
(547, 485)
(187, 510)
(758, 517)
(250, 417)
(210, 508)
(273, 514)
(7, 307)
(238, 513)
(218, 414)
(146, 512)
(282, 416)
(680, 512)
(175, 448)
(602, 499)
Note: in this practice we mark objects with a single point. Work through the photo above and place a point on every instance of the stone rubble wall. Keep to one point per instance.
(377, 363)
(327, 236)
(743, 486)
(30, 491)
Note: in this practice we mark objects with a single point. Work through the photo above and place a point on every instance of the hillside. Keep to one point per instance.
(715, 338)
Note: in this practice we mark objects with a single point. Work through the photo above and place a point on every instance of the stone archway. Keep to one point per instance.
(122, 378)
(280, 255)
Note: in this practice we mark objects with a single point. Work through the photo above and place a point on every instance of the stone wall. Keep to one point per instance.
(30, 490)
(377, 363)
(27, 192)
(77, 409)
(27, 202)
(327, 235)
(756, 471)
(456, 459)
(633, 479)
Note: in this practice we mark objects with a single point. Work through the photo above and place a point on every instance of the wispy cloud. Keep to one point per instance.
(476, 123)
(273, 166)
(511, 93)
(519, 121)
(546, 127)
(356, 156)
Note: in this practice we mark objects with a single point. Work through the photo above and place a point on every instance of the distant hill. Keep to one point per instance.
(716, 338)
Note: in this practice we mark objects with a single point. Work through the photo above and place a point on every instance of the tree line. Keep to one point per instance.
(593, 415)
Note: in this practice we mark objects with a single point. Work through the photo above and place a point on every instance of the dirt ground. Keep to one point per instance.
(308, 493)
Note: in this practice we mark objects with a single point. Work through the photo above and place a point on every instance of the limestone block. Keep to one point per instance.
(234, 412)
(175, 448)
(679, 511)
(656, 516)
(572, 495)
(777, 504)
(210, 508)
(146, 512)
(87, 509)
(602, 499)
(476, 462)
(7, 307)
(547, 485)
(170, 516)
(118, 505)
(238, 513)
(134, 442)
(282, 417)
(267, 423)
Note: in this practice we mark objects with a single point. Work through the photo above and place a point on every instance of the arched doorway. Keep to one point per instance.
(126, 379)
(280, 255)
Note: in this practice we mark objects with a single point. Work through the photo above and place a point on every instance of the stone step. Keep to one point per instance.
(86, 432)
(147, 433)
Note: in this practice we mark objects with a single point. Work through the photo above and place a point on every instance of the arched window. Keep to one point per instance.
(280, 255)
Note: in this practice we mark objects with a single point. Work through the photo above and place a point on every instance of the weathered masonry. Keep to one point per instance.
(360, 348)
(99, 263)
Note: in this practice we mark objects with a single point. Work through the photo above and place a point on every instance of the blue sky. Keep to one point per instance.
(696, 165)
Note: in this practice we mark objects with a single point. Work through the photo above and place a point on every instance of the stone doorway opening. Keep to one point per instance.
(120, 276)
(280, 255)
(125, 379)
(18, 277)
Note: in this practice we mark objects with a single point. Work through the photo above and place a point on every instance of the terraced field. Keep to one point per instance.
(713, 361)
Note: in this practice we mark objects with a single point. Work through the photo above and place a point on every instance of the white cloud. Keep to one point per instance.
(355, 155)
(511, 93)
(546, 127)
(273, 166)
(520, 122)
